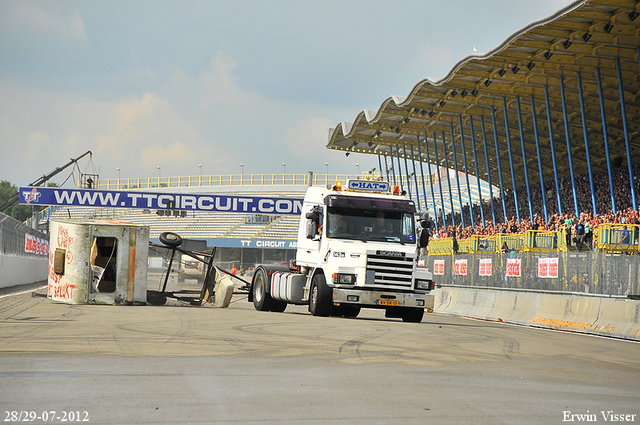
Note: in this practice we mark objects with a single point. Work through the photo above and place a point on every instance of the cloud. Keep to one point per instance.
(30, 19)
(219, 86)
(307, 137)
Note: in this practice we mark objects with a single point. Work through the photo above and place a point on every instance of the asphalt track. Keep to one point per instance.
(195, 365)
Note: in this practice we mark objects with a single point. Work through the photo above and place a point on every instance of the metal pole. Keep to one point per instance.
(399, 168)
(455, 167)
(553, 152)
(626, 133)
(495, 138)
(524, 157)
(415, 179)
(406, 168)
(486, 158)
(535, 132)
(466, 171)
(446, 164)
(566, 133)
(606, 140)
(424, 188)
(393, 171)
(475, 161)
(586, 143)
(513, 177)
(433, 196)
(435, 148)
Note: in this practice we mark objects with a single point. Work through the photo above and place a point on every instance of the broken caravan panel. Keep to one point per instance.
(98, 261)
(355, 248)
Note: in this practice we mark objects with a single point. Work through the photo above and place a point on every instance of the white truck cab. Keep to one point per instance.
(356, 248)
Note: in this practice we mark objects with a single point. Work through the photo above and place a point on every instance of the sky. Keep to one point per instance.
(196, 86)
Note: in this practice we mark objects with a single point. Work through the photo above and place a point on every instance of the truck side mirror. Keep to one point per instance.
(311, 229)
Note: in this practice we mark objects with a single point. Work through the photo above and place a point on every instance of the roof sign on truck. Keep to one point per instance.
(368, 185)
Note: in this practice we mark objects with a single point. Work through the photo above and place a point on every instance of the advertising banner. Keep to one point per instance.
(485, 267)
(460, 267)
(35, 245)
(158, 200)
(548, 268)
(438, 267)
(513, 267)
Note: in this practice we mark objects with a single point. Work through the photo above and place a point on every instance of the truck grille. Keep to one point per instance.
(389, 271)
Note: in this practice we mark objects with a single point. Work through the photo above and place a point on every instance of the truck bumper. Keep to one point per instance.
(382, 298)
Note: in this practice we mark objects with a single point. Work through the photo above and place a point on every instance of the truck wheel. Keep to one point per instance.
(278, 306)
(320, 297)
(262, 301)
(170, 239)
(412, 315)
(350, 311)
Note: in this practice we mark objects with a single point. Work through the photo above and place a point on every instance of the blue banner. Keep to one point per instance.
(158, 200)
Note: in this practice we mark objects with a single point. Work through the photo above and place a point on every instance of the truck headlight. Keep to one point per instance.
(345, 279)
(425, 285)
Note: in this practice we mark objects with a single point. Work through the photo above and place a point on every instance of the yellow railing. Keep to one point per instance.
(440, 246)
(486, 244)
(617, 238)
(226, 180)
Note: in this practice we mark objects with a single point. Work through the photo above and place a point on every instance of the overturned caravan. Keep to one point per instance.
(98, 261)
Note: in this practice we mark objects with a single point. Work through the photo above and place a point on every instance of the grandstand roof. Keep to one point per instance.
(549, 57)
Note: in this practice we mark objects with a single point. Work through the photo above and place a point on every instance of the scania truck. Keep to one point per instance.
(356, 248)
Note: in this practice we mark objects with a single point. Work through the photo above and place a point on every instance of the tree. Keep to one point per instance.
(19, 212)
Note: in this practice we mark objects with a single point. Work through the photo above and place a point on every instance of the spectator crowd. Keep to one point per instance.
(579, 228)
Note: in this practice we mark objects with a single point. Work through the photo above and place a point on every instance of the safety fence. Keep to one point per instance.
(607, 238)
(592, 272)
(230, 180)
(17, 239)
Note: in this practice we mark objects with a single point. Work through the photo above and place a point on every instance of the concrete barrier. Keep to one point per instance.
(614, 317)
(16, 270)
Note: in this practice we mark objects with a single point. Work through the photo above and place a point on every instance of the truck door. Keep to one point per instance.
(310, 233)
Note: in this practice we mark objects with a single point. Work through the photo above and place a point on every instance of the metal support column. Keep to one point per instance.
(524, 158)
(486, 159)
(399, 168)
(380, 165)
(444, 221)
(553, 152)
(586, 143)
(446, 164)
(386, 166)
(475, 161)
(406, 169)
(415, 179)
(513, 177)
(455, 167)
(424, 189)
(626, 133)
(535, 133)
(495, 138)
(606, 140)
(466, 171)
(566, 134)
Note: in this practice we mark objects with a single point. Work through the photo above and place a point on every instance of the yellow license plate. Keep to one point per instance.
(389, 302)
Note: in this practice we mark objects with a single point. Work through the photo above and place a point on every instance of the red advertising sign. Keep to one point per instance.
(513, 267)
(35, 245)
(548, 268)
(460, 267)
(438, 267)
(485, 267)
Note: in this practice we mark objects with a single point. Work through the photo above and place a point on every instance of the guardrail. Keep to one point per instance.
(229, 180)
(607, 238)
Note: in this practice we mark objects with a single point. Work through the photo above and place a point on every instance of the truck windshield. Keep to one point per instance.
(371, 225)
